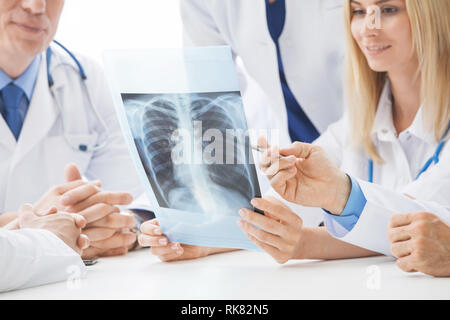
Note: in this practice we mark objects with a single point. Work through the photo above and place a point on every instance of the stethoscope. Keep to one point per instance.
(433, 159)
(84, 147)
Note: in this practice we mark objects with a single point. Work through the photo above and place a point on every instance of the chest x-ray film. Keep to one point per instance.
(182, 115)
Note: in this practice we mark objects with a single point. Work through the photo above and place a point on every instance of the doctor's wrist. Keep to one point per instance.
(341, 189)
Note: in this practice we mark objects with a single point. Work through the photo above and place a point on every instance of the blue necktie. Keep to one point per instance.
(300, 126)
(12, 96)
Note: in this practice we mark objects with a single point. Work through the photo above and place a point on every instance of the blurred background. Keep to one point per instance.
(91, 26)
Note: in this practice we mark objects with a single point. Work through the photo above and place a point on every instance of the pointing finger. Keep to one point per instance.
(106, 197)
(79, 194)
(299, 150)
(281, 164)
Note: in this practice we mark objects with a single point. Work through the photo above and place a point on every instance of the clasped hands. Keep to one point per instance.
(97, 227)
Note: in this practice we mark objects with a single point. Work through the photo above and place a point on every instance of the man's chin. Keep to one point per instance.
(29, 47)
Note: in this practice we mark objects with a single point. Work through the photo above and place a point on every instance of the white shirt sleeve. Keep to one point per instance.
(310, 216)
(431, 192)
(370, 232)
(32, 257)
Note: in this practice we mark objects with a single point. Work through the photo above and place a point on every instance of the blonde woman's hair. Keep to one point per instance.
(430, 27)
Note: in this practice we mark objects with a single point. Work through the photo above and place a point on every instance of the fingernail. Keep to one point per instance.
(163, 242)
(254, 202)
(243, 213)
(240, 224)
(97, 183)
(87, 242)
(179, 252)
(158, 231)
(174, 246)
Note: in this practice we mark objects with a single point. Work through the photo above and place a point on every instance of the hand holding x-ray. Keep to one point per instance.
(160, 246)
(182, 115)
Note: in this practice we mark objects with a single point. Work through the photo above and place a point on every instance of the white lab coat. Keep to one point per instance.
(32, 257)
(312, 48)
(404, 157)
(35, 163)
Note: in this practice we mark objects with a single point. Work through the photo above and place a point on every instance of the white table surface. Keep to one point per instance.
(242, 275)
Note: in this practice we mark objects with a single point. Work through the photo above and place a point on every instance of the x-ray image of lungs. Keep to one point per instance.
(195, 150)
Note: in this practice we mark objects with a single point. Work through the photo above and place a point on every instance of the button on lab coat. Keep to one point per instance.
(32, 257)
(395, 182)
(35, 163)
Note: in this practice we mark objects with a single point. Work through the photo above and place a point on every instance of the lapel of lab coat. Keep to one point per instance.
(260, 61)
(41, 115)
(7, 139)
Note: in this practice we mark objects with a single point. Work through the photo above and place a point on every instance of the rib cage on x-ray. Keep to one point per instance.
(209, 188)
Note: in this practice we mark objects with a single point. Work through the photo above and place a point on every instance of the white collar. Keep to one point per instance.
(383, 126)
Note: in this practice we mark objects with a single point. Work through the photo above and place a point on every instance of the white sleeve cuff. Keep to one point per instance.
(370, 232)
(32, 257)
(311, 217)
